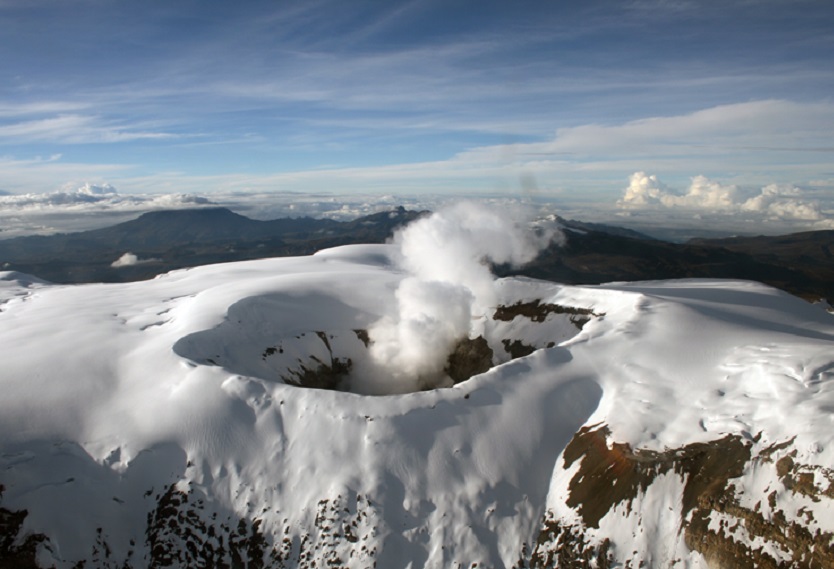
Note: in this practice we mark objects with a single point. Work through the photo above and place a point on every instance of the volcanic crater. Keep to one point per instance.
(252, 342)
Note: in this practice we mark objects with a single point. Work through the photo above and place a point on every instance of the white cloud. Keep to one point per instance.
(760, 126)
(642, 190)
(772, 202)
(39, 107)
(95, 190)
(129, 260)
(82, 207)
(96, 196)
(783, 202)
(705, 194)
(759, 142)
(448, 288)
(34, 175)
(76, 129)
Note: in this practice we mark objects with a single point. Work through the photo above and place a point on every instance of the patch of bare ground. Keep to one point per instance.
(518, 349)
(800, 546)
(182, 530)
(363, 336)
(567, 546)
(178, 535)
(321, 374)
(470, 357)
(182, 533)
(17, 549)
(609, 475)
(800, 478)
(537, 311)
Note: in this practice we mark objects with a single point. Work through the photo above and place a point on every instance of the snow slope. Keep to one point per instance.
(152, 424)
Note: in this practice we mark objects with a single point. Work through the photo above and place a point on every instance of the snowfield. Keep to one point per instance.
(166, 423)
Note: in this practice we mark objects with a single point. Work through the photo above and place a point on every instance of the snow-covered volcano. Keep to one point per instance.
(172, 423)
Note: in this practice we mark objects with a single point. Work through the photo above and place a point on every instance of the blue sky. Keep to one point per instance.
(562, 99)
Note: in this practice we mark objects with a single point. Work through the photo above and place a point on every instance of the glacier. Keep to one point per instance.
(167, 423)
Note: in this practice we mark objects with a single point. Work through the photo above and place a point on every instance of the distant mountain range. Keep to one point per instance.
(593, 253)
(800, 263)
(167, 240)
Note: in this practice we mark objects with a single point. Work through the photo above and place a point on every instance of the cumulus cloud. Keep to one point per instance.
(706, 194)
(776, 202)
(129, 260)
(96, 190)
(703, 193)
(447, 292)
(784, 202)
(642, 190)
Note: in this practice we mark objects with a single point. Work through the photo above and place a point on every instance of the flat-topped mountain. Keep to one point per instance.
(167, 240)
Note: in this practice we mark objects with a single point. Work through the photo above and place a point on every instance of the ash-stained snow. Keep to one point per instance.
(120, 399)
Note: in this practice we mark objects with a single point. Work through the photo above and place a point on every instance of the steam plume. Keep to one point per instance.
(448, 289)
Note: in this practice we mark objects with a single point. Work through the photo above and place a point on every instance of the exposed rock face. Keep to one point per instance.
(560, 545)
(470, 357)
(538, 312)
(18, 549)
(328, 362)
(735, 501)
(181, 533)
(326, 375)
(183, 530)
(518, 349)
(715, 516)
(609, 476)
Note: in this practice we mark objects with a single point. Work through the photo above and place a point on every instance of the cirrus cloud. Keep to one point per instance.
(77, 129)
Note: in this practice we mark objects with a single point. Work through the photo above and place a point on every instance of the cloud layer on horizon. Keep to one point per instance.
(760, 142)
(79, 208)
(95, 197)
(773, 202)
(647, 204)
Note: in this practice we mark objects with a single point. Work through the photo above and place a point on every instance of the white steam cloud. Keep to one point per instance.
(129, 260)
(774, 202)
(448, 290)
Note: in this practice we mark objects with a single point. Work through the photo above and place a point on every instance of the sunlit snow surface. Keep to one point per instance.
(97, 407)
